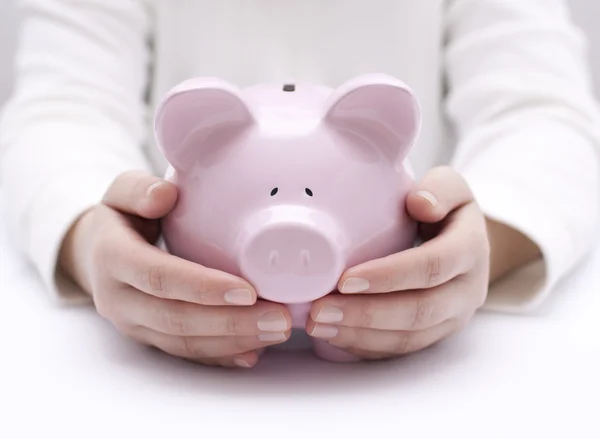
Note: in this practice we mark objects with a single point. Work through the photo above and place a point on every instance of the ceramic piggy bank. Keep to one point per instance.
(287, 185)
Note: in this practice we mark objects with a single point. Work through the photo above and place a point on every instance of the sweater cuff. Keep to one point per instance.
(512, 204)
(525, 288)
(55, 210)
(539, 175)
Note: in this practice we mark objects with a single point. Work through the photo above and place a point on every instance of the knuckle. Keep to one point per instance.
(441, 175)
(360, 339)
(485, 247)
(100, 253)
(114, 185)
(349, 338)
(128, 329)
(479, 243)
(204, 294)
(432, 270)
(404, 344)
(377, 341)
(127, 176)
(186, 347)
(230, 325)
(367, 314)
(173, 321)
(240, 345)
(140, 185)
(460, 323)
(122, 177)
(480, 297)
(388, 280)
(155, 280)
(415, 342)
(424, 315)
(442, 172)
(101, 303)
(97, 254)
(118, 183)
(105, 253)
(475, 250)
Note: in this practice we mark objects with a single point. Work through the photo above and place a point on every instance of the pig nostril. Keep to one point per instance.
(273, 258)
(308, 192)
(274, 191)
(305, 257)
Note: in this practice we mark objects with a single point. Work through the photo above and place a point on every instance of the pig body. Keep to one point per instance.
(288, 185)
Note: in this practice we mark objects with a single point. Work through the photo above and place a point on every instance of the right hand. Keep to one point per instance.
(158, 299)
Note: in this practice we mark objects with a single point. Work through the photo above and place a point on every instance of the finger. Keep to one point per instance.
(399, 311)
(370, 356)
(244, 360)
(141, 194)
(381, 343)
(269, 320)
(435, 262)
(440, 192)
(147, 268)
(247, 361)
(203, 347)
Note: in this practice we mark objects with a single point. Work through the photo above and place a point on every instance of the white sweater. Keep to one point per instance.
(503, 84)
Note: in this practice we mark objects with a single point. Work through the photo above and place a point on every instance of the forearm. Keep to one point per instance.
(509, 249)
(73, 258)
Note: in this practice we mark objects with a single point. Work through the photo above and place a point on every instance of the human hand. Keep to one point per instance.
(410, 300)
(158, 299)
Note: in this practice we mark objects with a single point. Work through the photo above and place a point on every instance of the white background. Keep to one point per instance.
(65, 372)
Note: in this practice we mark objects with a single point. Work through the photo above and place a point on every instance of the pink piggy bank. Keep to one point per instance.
(287, 185)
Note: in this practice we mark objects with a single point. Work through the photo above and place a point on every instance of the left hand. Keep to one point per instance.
(410, 300)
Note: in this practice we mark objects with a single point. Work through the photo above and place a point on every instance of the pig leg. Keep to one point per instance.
(299, 313)
(329, 352)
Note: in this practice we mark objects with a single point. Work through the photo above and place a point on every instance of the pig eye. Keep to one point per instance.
(274, 191)
(308, 192)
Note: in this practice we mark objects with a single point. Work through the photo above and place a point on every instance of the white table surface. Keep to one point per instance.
(65, 371)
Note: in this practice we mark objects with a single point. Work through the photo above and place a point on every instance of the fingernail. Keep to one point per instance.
(272, 322)
(153, 186)
(241, 363)
(429, 197)
(324, 331)
(355, 285)
(330, 314)
(239, 297)
(272, 336)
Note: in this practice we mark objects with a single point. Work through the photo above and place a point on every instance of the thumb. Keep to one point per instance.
(141, 194)
(441, 191)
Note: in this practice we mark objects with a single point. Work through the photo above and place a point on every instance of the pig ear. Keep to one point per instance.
(192, 113)
(380, 109)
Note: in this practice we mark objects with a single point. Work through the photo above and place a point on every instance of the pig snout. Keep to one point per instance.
(288, 249)
(293, 255)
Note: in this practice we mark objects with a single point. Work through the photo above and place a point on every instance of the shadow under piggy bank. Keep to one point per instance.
(292, 369)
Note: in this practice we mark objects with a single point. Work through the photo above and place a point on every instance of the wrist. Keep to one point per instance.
(509, 249)
(72, 260)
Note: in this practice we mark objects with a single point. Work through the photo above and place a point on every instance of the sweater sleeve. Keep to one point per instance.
(521, 101)
(75, 121)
